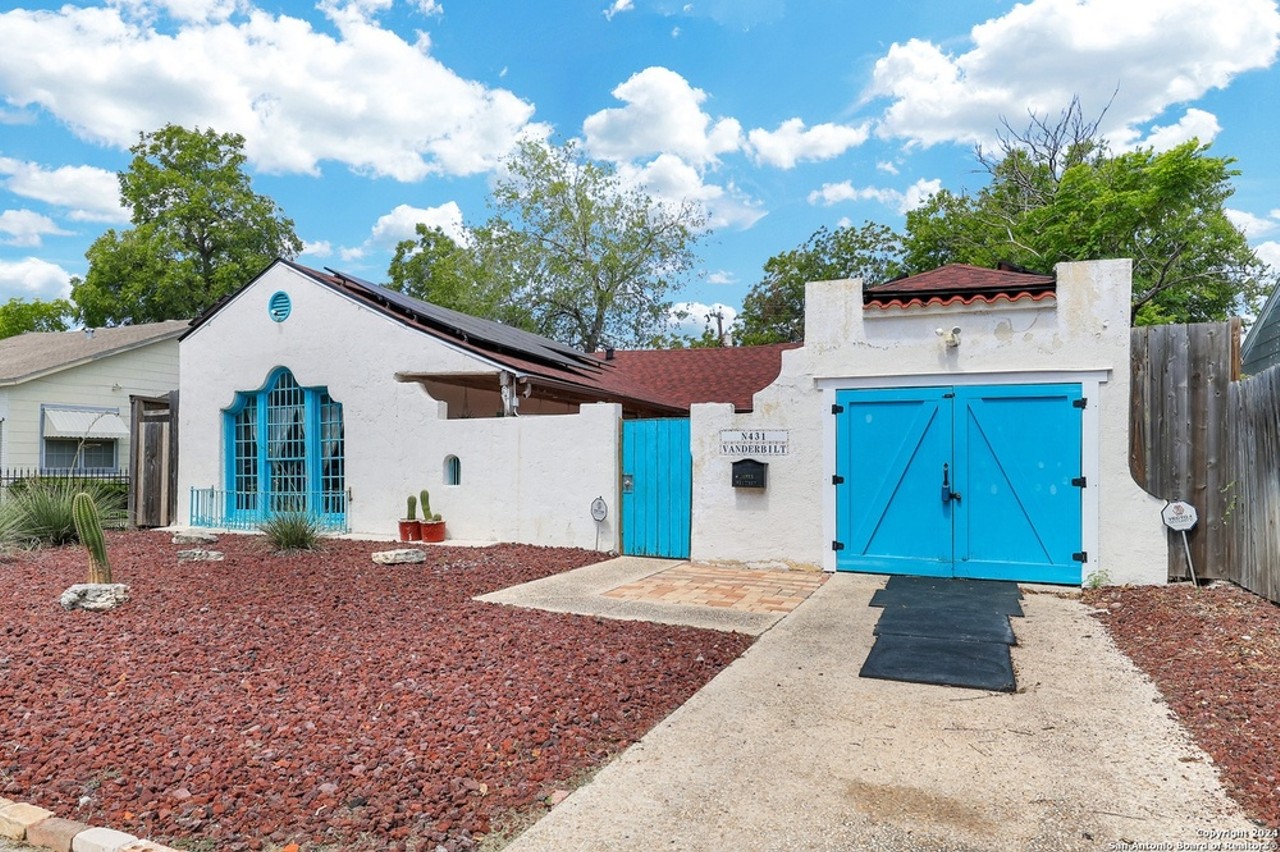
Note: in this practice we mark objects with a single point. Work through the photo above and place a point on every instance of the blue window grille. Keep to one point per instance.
(452, 470)
(285, 453)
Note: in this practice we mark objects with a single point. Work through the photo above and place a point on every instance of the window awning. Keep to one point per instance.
(61, 423)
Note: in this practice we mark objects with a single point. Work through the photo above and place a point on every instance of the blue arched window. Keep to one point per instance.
(284, 453)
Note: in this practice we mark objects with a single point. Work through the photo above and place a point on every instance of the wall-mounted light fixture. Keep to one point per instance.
(951, 338)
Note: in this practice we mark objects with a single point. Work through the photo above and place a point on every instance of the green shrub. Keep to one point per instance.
(39, 513)
(292, 531)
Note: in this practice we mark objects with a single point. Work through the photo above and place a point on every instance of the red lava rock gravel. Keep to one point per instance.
(1214, 653)
(319, 699)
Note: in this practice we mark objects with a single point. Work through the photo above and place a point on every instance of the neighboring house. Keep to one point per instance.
(1261, 348)
(64, 396)
(963, 422)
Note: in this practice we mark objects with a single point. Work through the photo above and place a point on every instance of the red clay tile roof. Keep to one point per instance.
(960, 283)
(684, 376)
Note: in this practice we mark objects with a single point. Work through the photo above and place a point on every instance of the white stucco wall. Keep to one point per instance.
(107, 383)
(1082, 337)
(523, 479)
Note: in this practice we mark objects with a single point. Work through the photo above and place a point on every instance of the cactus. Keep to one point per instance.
(89, 530)
(411, 505)
(426, 503)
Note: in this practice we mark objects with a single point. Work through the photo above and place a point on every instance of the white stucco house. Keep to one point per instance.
(316, 391)
(963, 422)
(64, 396)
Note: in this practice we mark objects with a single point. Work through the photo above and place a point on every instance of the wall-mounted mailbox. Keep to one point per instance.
(749, 473)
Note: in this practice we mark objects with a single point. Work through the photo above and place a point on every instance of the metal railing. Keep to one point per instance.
(248, 510)
(16, 478)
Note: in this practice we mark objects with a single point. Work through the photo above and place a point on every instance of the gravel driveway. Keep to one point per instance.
(789, 749)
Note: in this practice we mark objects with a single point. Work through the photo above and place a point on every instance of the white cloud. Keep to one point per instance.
(196, 11)
(663, 115)
(721, 276)
(689, 319)
(26, 227)
(903, 201)
(90, 194)
(1151, 55)
(617, 7)
(32, 278)
(671, 180)
(792, 142)
(1269, 252)
(400, 223)
(1251, 225)
(362, 96)
(429, 7)
(320, 248)
(1194, 124)
(887, 167)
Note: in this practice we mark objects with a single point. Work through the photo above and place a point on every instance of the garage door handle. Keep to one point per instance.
(947, 494)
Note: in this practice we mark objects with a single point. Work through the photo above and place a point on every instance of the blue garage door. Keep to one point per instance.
(979, 482)
(657, 486)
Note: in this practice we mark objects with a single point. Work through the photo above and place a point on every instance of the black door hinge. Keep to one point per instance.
(837, 545)
(1080, 482)
(1082, 556)
(837, 479)
(837, 409)
(1082, 402)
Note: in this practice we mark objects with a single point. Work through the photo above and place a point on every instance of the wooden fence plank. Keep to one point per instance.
(1200, 434)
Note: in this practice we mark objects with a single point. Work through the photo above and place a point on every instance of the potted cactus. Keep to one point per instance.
(432, 525)
(410, 528)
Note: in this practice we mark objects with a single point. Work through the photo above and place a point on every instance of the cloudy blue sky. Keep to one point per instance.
(364, 117)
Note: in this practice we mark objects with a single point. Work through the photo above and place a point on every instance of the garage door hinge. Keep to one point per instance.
(837, 545)
(1082, 556)
(1080, 482)
(1082, 402)
(837, 479)
(837, 409)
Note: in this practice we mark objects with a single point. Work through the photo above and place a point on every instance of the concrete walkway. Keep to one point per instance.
(788, 749)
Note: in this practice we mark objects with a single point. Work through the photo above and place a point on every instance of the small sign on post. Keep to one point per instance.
(1180, 517)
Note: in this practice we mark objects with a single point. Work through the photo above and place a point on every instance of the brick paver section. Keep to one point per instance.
(733, 588)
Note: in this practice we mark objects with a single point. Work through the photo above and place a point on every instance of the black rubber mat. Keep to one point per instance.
(962, 624)
(945, 662)
(950, 632)
(960, 599)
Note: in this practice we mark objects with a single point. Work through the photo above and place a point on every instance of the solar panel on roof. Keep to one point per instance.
(478, 330)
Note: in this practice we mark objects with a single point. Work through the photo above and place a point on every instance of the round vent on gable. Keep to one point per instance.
(279, 306)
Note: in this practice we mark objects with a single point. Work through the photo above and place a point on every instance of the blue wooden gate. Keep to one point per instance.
(657, 485)
(977, 482)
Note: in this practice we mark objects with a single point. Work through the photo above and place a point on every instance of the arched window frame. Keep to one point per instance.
(269, 471)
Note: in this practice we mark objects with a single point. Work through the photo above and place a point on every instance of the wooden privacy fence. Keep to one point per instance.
(1202, 434)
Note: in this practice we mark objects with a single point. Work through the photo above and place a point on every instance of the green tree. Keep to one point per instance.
(18, 316)
(591, 260)
(1056, 194)
(773, 310)
(199, 232)
(439, 270)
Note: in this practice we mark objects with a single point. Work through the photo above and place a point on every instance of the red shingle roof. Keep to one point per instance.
(682, 377)
(960, 283)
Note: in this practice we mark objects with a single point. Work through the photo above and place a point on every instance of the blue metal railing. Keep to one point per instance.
(248, 510)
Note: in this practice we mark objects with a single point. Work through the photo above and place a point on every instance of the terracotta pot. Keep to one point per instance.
(411, 530)
(433, 530)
